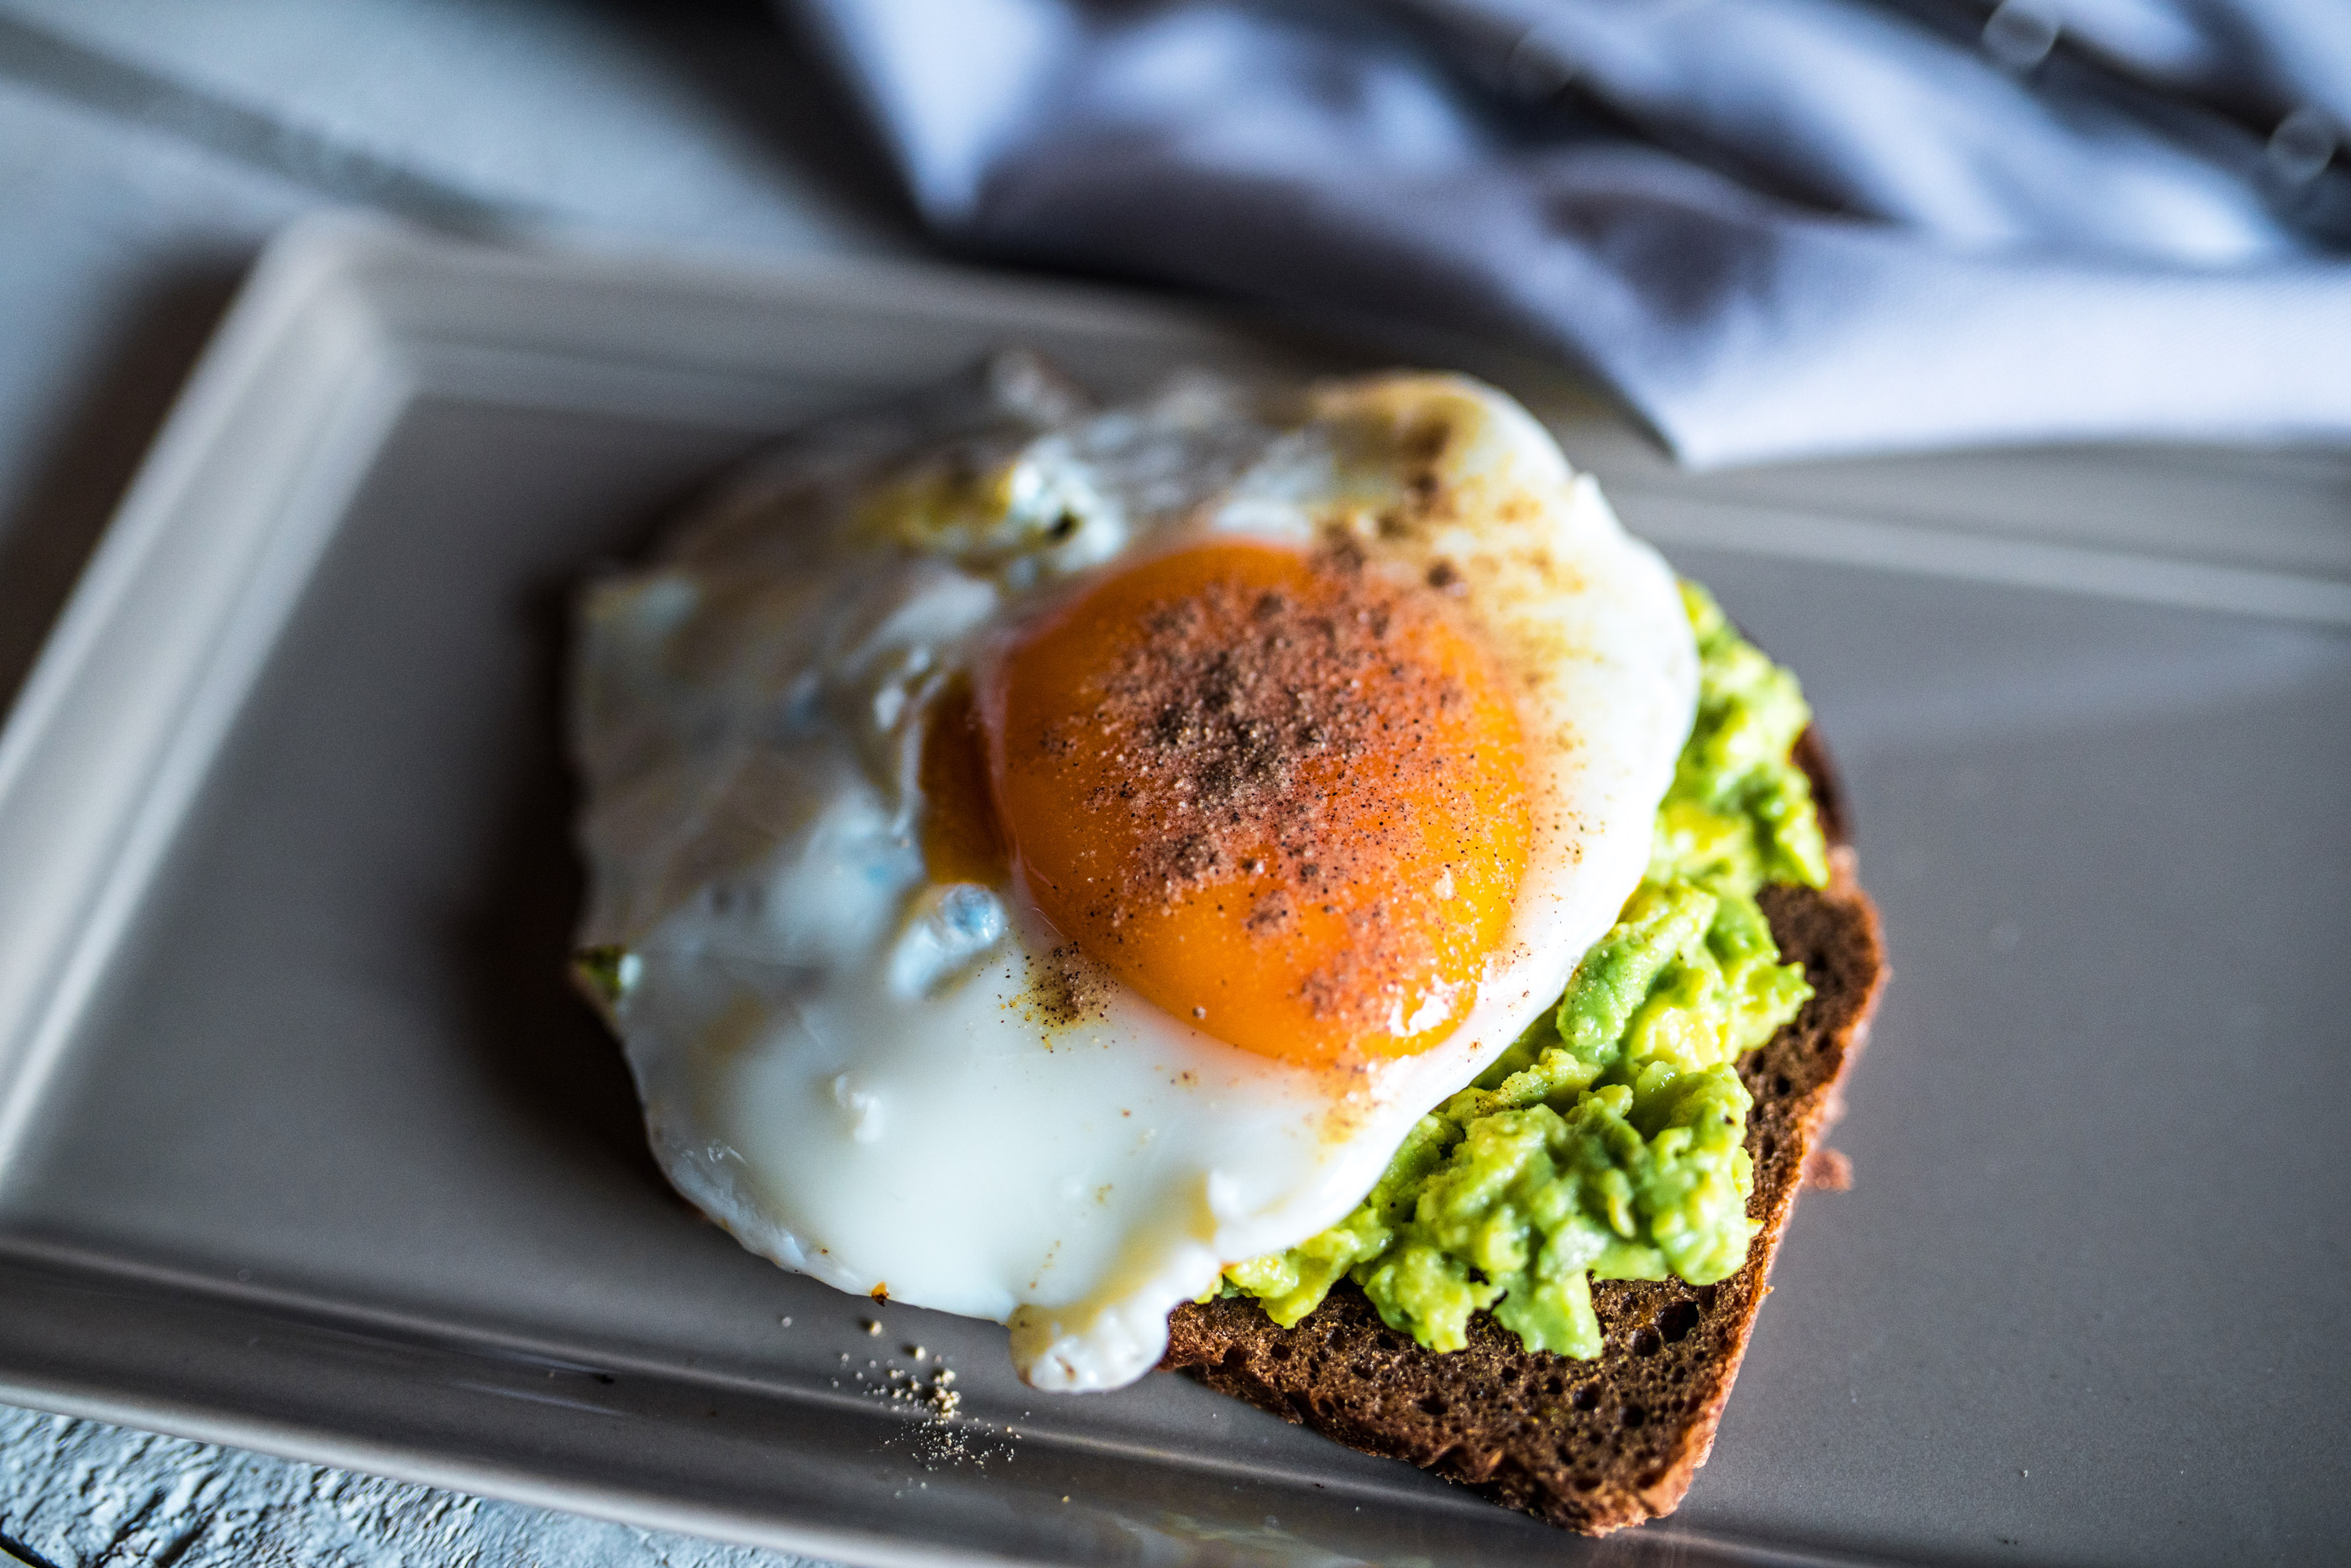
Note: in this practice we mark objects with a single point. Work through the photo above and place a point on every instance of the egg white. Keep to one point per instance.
(865, 1075)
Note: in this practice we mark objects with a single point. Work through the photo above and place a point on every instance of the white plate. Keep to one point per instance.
(304, 1145)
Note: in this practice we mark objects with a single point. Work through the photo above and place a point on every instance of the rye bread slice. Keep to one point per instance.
(1591, 1445)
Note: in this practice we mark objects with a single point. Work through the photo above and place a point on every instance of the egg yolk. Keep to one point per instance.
(1277, 795)
(961, 842)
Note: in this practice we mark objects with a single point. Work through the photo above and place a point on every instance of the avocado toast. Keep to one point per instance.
(1594, 1444)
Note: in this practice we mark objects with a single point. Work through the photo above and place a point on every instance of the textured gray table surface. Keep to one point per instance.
(81, 1493)
(146, 150)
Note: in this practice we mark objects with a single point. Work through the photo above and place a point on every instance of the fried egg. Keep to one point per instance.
(1041, 855)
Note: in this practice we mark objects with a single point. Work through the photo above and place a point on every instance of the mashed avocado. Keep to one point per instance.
(1608, 1141)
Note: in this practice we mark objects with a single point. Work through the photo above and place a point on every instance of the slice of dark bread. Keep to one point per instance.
(1591, 1445)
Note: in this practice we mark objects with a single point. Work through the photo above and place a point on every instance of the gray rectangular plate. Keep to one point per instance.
(304, 1144)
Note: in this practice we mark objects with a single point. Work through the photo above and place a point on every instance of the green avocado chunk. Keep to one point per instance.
(1608, 1141)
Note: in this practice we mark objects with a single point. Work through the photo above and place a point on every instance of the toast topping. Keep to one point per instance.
(1607, 1142)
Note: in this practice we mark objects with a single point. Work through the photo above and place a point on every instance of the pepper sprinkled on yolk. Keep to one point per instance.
(1277, 795)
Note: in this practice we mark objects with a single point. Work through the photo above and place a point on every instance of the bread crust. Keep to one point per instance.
(1597, 1444)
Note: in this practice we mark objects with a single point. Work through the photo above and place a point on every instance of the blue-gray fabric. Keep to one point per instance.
(1777, 228)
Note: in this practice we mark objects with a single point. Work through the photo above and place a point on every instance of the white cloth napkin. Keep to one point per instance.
(1776, 228)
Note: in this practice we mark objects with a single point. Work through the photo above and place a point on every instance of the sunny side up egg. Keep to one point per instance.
(1042, 856)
